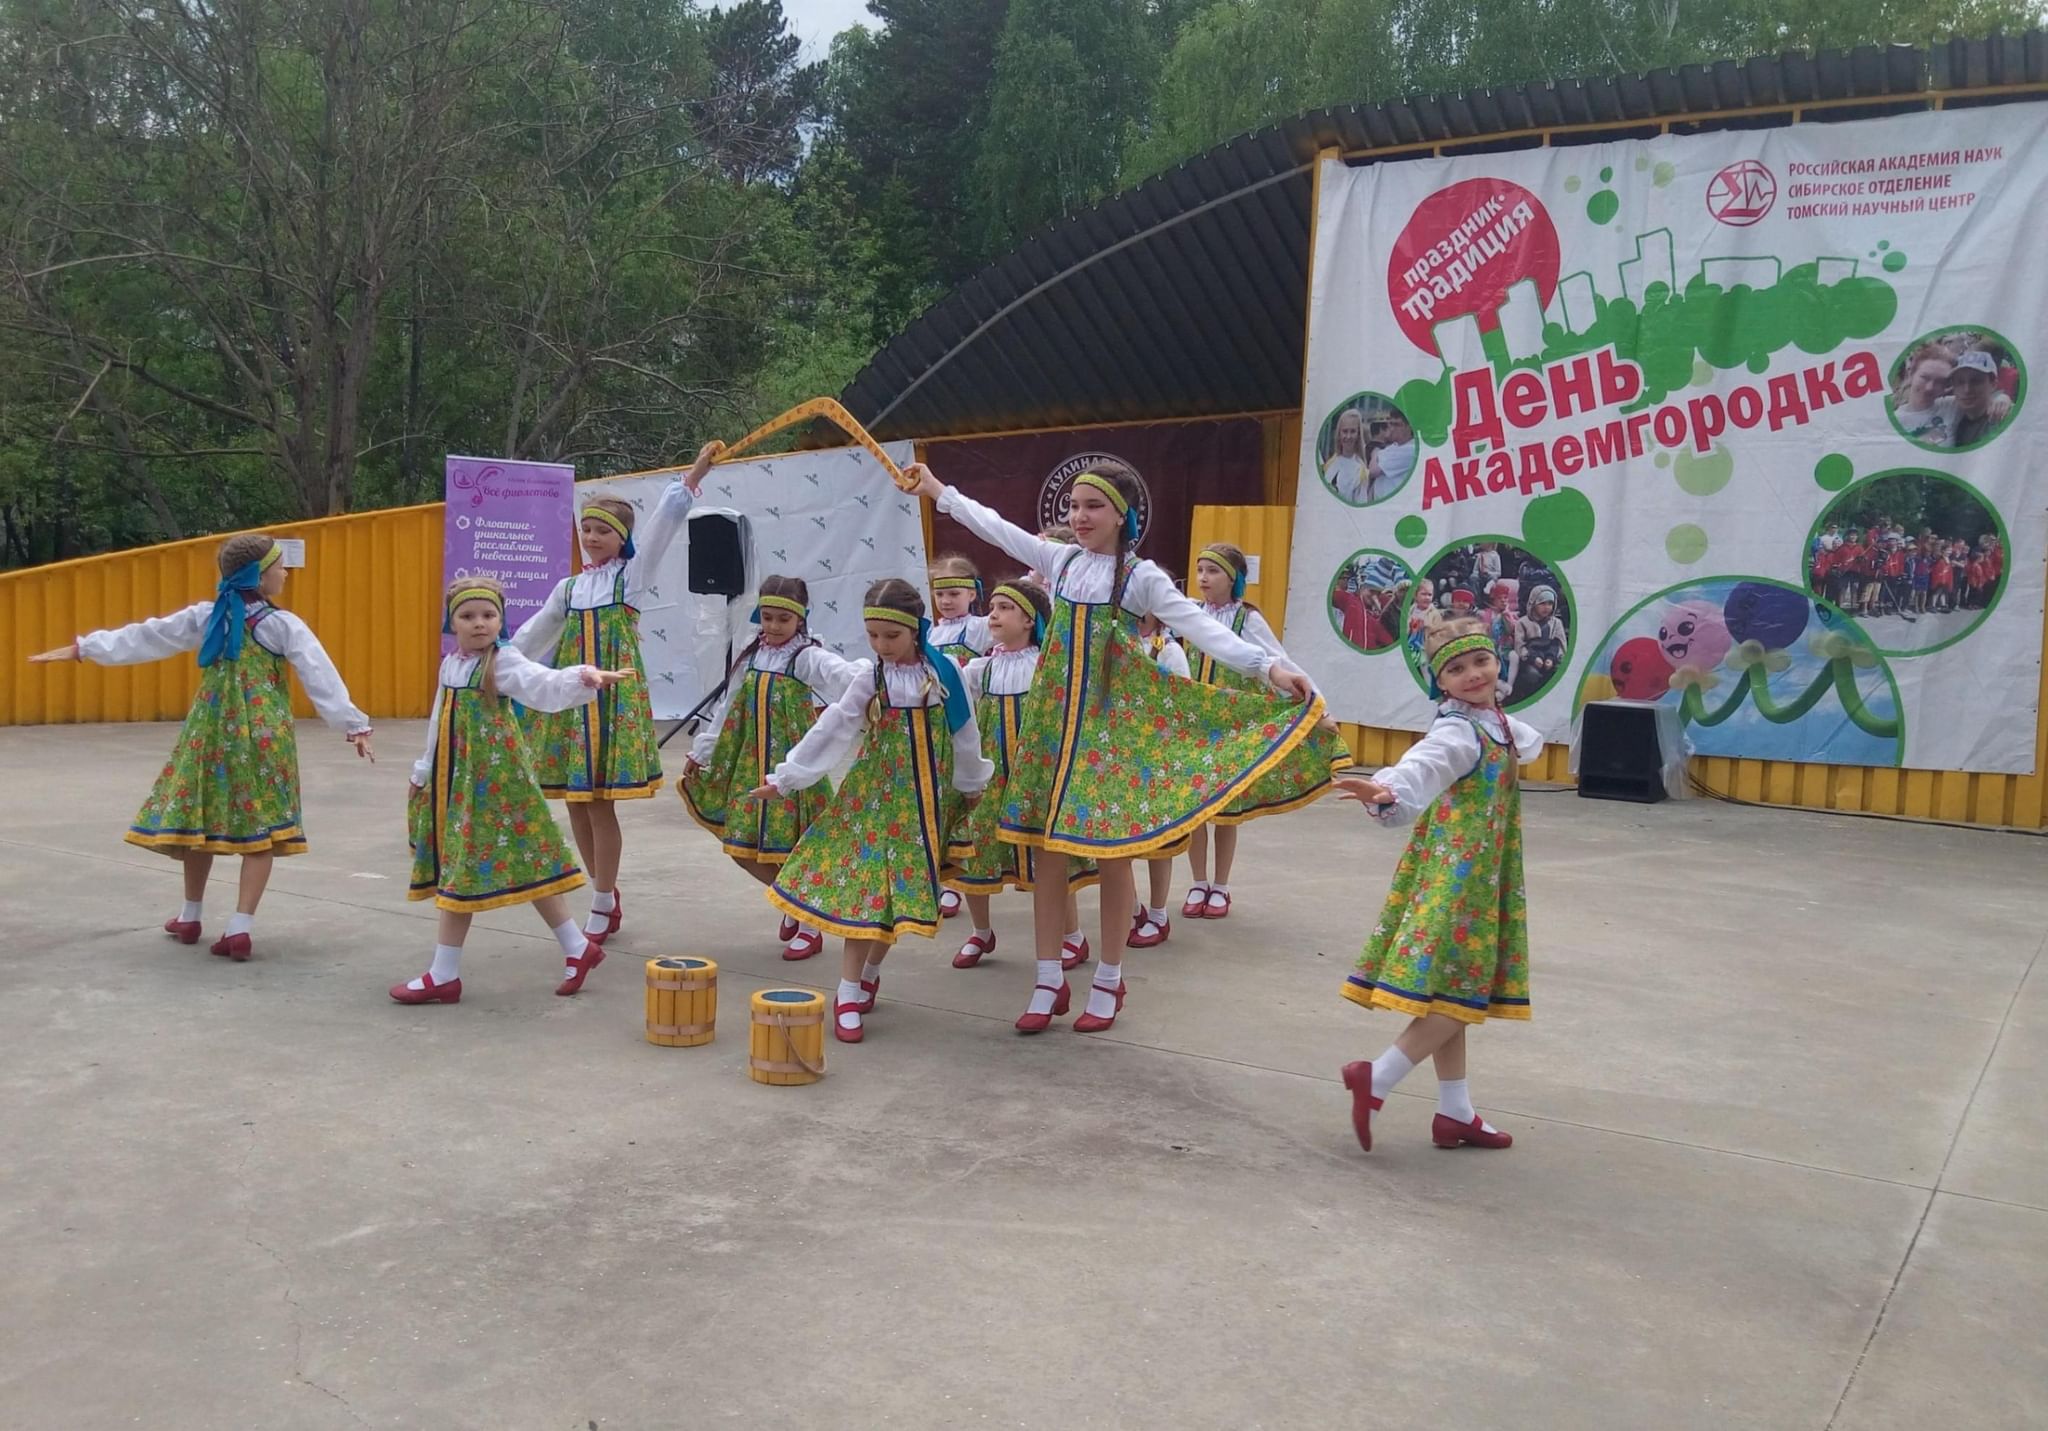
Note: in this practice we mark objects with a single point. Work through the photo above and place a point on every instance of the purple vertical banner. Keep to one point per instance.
(512, 522)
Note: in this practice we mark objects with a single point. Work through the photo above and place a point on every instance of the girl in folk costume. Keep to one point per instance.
(957, 630)
(1451, 948)
(783, 675)
(960, 632)
(597, 753)
(1117, 760)
(998, 684)
(482, 834)
(869, 866)
(1149, 925)
(231, 787)
(1220, 571)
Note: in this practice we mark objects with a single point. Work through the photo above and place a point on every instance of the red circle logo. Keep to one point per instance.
(1742, 193)
(1462, 252)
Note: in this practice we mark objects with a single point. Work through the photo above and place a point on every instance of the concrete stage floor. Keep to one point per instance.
(1781, 1157)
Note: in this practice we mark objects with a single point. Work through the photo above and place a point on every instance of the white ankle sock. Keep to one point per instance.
(194, 911)
(1389, 1069)
(446, 968)
(986, 936)
(807, 929)
(1075, 940)
(1102, 993)
(572, 941)
(850, 993)
(1200, 886)
(602, 903)
(240, 923)
(1454, 1099)
(1219, 889)
(870, 972)
(1049, 973)
(1157, 916)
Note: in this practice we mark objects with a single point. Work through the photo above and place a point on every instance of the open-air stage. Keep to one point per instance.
(1781, 1149)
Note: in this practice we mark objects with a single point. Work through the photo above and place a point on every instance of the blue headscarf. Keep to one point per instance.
(948, 672)
(231, 608)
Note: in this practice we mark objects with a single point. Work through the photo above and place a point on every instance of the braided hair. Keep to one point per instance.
(896, 594)
(1126, 483)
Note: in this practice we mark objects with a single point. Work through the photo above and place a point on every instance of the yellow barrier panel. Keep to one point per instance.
(2020, 801)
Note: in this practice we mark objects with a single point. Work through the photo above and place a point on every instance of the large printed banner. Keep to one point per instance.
(1737, 423)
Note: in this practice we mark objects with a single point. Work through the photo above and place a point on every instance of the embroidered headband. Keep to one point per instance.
(956, 583)
(890, 613)
(271, 557)
(223, 635)
(476, 593)
(1211, 554)
(610, 519)
(1107, 488)
(781, 603)
(1459, 646)
(1024, 603)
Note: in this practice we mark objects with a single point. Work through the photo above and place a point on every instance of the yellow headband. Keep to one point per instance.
(956, 583)
(1211, 554)
(610, 519)
(1019, 597)
(1459, 646)
(890, 613)
(1106, 487)
(475, 593)
(782, 603)
(270, 558)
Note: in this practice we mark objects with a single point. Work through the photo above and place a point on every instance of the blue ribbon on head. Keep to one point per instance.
(948, 672)
(230, 612)
(1131, 525)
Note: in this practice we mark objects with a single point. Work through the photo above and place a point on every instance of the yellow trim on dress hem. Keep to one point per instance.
(1285, 807)
(573, 880)
(1417, 1008)
(282, 844)
(616, 792)
(848, 931)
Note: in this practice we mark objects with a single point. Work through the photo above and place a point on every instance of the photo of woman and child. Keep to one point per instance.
(1524, 605)
(1366, 450)
(1955, 389)
(1365, 600)
(1916, 557)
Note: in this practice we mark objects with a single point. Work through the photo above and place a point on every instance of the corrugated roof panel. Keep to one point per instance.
(1185, 295)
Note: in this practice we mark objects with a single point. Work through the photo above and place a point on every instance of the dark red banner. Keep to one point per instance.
(1182, 465)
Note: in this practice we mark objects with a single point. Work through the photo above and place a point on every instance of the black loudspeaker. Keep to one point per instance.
(1619, 754)
(718, 554)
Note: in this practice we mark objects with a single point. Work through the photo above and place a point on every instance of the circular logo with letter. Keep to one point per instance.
(1742, 193)
(1059, 485)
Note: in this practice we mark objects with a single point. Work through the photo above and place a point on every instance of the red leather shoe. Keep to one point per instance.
(841, 1031)
(971, 952)
(949, 903)
(806, 943)
(1217, 905)
(448, 993)
(1073, 954)
(1089, 1023)
(185, 931)
(1196, 905)
(1147, 935)
(1450, 1133)
(787, 932)
(1028, 1022)
(613, 918)
(590, 958)
(233, 946)
(870, 990)
(1358, 1078)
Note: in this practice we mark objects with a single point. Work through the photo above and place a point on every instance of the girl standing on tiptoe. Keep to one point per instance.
(1220, 571)
(482, 835)
(1451, 948)
(231, 787)
(998, 683)
(596, 754)
(869, 867)
(783, 675)
(1116, 759)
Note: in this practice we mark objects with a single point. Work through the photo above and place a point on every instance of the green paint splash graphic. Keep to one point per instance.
(1840, 673)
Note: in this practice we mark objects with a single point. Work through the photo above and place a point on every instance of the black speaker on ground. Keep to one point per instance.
(718, 554)
(1620, 756)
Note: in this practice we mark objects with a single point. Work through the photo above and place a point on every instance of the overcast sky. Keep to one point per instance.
(817, 21)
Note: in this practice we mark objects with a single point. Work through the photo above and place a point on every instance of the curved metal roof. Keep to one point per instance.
(1185, 296)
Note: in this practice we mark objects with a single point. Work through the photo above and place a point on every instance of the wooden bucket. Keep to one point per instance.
(682, 1002)
(787, 1043)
